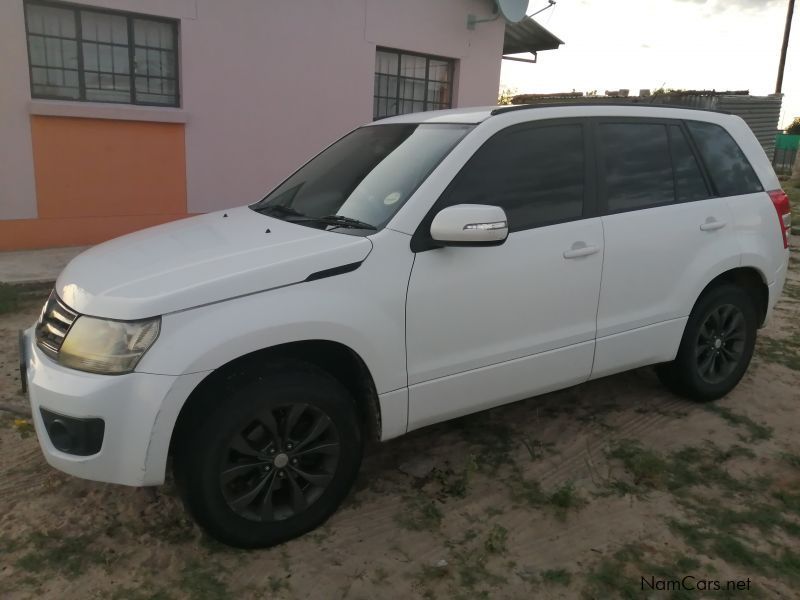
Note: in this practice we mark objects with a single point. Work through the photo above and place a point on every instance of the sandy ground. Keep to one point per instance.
(579, 493)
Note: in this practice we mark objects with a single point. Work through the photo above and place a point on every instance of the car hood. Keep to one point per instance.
(200, 260)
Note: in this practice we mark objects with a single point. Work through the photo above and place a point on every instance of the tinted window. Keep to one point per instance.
(535, 174)
(367, 175)
(636, 165)
(726, 163)
(688, 177)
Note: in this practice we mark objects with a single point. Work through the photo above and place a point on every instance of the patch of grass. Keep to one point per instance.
(24, 427)
(677, 471)
(493, 438)
(419, 513)
(530, 492)
(538, 449)
(791, 459)
(557, 577)
(495, 542)
(789, 502)
(452, 483)
(9, 298)
(723, 532)
(473, 570)
(784, 351)
(276, 584)
(69, 556)
(564, 499)
(201, 582)
(757, 432)
(430, 574)
(380, 576)
(609, 579)
(141, 593)
(647, 468)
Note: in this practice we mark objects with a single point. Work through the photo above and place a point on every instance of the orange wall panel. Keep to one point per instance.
(30, 234)
(108, 168)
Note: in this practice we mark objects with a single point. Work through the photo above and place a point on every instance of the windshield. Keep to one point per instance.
(362, 180)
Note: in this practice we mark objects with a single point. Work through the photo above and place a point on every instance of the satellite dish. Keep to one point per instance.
(512, 10)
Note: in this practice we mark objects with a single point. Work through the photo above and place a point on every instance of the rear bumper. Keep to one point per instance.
(137, 411)
(776, 287)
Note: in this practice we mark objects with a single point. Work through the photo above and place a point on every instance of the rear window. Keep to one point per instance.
(727, 165)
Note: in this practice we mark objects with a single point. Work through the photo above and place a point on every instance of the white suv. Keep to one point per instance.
(420, 268)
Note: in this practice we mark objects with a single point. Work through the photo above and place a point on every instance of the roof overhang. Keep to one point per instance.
(528, 36)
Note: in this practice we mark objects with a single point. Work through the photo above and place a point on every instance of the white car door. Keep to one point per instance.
(493, 324)
(665, 236)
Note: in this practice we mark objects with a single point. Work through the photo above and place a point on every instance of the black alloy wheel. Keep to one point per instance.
(718, 342)
(280, 462)
(271, 456)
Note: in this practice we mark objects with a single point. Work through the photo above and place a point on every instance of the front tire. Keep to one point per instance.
(272, 459)
(716, 347)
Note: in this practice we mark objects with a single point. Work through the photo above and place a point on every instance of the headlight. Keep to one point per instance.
(110, 347)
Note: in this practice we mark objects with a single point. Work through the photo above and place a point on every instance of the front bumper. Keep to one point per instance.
(138, 411)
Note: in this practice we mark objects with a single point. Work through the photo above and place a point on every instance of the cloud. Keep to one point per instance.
(723, 5)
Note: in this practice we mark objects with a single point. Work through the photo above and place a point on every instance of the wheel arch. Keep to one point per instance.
(752, 280)
(337, 359)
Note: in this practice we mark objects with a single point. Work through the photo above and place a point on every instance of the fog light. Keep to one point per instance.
(73, 435)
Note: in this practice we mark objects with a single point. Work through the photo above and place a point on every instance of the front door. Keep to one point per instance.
(488, 325)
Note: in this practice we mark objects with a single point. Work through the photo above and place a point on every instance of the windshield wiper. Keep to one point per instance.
(295, 216)
(342, 221)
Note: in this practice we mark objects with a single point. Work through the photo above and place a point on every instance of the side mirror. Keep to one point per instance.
(470, 225)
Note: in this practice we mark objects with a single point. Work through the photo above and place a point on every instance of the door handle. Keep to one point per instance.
(581, 249)
(712, 224)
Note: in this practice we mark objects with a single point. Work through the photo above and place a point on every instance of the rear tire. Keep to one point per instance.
(272, 459)
(716, 347)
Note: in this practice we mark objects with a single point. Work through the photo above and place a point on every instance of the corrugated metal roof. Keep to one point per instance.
(528, 36)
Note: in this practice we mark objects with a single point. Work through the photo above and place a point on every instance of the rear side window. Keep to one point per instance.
(535, 174)
(727, 165)
(636, 166)
(689, 182)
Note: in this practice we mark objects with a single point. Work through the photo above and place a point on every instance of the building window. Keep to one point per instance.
(101, 56)
(406, 83)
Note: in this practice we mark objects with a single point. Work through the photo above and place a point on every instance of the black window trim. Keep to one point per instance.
(400, 52)
(710, 186)
(129, 16)
(602, 190)
(422, 241)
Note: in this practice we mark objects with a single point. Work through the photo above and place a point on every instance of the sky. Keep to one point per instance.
(682, 44)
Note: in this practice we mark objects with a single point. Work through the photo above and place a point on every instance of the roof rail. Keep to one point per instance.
(515, 107)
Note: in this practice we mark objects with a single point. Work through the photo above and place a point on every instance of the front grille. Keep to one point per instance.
(53, 325)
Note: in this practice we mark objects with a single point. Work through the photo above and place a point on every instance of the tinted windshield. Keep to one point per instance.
(366, 176)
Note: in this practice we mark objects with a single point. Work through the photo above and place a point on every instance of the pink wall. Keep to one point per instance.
(265, 84)
(294, 76)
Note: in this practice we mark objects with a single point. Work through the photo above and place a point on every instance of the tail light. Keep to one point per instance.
(784, 210)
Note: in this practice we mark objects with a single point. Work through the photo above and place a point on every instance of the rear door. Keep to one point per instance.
(665, 232)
